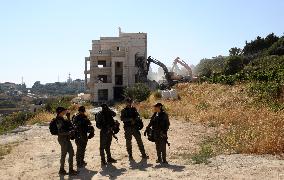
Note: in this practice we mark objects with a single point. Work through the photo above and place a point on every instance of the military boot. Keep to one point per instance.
(73, 172)
(111, 160)
(62, 172)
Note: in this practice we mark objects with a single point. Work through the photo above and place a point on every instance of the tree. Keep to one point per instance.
(233, 65)
(235, 51)
(139, 92)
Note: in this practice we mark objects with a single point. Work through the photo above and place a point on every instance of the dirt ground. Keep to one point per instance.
(37, 157)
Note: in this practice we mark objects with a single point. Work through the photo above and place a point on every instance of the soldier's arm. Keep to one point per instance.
(122, 115)
(137, 115)
(150, 123)
(113, 114)
(167, 123)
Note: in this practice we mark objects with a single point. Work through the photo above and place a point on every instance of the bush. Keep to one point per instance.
(139, 92)
(265, 91)
(203, 155)
(14, 120)
(53, 103)
(233, 65)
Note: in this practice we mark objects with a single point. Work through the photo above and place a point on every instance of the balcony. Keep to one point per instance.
(101, 53)
(118, 53)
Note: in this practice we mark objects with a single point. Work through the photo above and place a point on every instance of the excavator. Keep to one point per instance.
(171, 77)
(168, 75)
(185, 78)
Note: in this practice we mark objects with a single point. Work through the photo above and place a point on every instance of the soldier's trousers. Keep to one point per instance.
(105, 143)
(161, 148)
(81, 149)
(66, 147)
(129, 132)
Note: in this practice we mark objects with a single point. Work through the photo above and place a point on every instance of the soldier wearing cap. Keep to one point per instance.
(132, 126)
(82, 125)
(65, 131)
(160, 125)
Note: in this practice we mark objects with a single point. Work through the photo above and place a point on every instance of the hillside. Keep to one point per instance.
(245, 125)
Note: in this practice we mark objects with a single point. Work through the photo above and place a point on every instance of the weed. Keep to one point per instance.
(203, 156)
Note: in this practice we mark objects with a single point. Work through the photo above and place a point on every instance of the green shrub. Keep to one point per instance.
(265, 90)
(53, 103)
(203, 155)
(14, 120)
(139, 92)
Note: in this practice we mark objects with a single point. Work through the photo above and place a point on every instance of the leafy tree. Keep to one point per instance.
(235, 51)
(233, 65)
(277, 48)
(138, 92)
(259, 44)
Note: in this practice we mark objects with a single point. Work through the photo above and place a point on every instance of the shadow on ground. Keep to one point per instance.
(142, 165)
(84, 174)
(175, 168)
(112, 172)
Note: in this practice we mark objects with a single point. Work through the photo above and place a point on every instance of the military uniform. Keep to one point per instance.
(64, 128)
(106, 124)
(160, 125)
(82, 124)
(130, 118)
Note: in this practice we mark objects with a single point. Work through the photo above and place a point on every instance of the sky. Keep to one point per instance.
(44, 40)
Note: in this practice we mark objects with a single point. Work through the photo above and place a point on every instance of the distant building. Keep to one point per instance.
(60, 88)
(112, 65)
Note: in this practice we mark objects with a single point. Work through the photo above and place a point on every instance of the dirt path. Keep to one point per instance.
(37, 157)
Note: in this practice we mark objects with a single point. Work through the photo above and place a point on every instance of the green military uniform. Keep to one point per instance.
(106, 121)
(82, 124)
(64, 127)
(130, 118)
(160, 125)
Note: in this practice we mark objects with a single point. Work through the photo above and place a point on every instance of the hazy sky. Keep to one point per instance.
(40, 40)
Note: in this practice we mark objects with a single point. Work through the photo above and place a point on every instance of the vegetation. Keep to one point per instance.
(139, 92)
(14, 120)
(206, 152)
(6, 149)
(245, 125)
(260, 63)
(46, 114)
(52, 103)
(7, 104)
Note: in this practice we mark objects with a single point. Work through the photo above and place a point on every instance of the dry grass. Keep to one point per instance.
(6, 149)
(42, 117)
(243, 127)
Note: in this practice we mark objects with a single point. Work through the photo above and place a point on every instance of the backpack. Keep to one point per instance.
(99, 119)
(151, 136)
(53, 127)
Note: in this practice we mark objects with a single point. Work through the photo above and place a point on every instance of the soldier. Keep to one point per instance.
(132, 126)
(160, 125)
(82, 125)
(65, 131)
(105, 122)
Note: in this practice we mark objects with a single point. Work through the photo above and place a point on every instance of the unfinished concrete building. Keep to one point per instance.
(112, 65)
